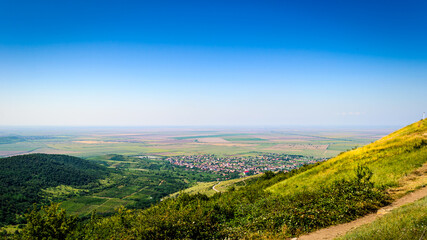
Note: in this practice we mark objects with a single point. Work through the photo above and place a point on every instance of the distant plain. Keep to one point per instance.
(90, 142)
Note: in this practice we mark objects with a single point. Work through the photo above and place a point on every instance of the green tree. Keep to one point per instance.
(50, 222)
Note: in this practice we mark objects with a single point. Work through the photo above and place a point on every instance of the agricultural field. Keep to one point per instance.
(92, 142)
(138, 183)
(99, 184)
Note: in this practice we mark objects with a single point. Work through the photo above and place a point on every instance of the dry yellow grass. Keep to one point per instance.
(394, 156)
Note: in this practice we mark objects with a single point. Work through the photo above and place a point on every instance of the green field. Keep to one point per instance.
(139, 183)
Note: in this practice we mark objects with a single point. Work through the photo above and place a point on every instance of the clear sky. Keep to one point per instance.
(263, 63)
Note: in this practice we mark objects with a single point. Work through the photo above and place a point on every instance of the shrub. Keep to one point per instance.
(49, 222)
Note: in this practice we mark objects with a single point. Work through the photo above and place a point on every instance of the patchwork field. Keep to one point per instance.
(89, 142)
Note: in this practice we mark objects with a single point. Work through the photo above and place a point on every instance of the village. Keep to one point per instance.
(247, 165)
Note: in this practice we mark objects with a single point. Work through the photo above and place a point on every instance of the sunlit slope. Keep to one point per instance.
(223, 186)
(390, 158)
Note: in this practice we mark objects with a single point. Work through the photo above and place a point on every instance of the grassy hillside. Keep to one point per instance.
(22, 179)
(390, 158)
(222, 186)
(407, 222)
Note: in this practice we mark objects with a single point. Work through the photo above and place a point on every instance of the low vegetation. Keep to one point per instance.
(407, 222)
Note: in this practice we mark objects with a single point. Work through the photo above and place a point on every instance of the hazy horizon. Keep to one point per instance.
(25, 130)
(276, 63)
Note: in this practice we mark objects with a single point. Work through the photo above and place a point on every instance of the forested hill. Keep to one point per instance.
(23, 177)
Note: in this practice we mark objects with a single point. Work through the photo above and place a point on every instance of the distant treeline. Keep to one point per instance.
(15, 139)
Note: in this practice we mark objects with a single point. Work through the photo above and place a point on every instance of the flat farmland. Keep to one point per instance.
(89, 142)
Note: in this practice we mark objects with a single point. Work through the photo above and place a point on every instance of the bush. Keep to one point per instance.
(49, 222)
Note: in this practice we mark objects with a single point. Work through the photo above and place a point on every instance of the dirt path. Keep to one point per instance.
(130, 195)
(108, 199)
(341, 229)
(101, 197)
(161, 182)
(213, 187)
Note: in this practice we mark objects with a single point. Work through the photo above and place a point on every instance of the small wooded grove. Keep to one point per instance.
(247, 212)
(23, 177)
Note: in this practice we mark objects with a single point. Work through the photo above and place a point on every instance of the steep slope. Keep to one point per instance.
(23, 177)
(390, 158)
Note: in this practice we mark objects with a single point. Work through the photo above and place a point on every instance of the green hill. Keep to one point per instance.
(273, 206)
(23, 177)
(390, 158)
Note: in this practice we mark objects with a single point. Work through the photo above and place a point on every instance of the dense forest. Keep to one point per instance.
(23, 177)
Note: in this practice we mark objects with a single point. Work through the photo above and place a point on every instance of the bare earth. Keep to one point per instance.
(94, 142)
(212, 140)
(213, 187)
(341, 229)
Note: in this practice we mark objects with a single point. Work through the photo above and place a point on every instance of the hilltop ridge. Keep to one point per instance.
(390, 158)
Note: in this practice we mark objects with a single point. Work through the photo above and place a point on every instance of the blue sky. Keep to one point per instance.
(264, 63)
